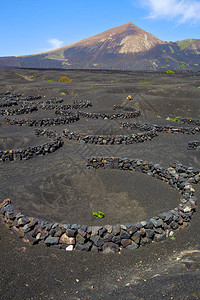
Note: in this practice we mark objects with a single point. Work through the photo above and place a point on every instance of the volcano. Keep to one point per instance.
(126, 47)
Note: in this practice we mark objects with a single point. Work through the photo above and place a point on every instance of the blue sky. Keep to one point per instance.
(28, 27)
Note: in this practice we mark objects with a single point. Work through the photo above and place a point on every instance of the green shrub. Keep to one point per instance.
(168, 71)
(145, 81)
(98, 214)
(176, 119)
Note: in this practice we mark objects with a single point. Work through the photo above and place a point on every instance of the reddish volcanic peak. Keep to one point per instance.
(128, 29)
(126, 38)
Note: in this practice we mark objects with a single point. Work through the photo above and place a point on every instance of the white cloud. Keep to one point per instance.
(55, 43)
(181, 10)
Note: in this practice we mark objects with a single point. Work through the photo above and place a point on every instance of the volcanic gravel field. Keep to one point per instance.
(58, 188)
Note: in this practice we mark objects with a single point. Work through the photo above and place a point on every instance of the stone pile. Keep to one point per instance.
(53, 100)
(194, 145)
(160, 128)
(190, 121)
(11, 99)
(63, 108)
(72, 117)
(30, 152)
(113, 238)
(17, 97)
(107, 116)
(30, 98)
(25, 109)
(110, 139)
(8, 103)
(10, 96)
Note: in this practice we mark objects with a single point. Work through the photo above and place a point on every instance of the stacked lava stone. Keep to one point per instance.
(11, 99)
(110, 139)
(30, 152)
(113, 238)
(160, 128)
(72, 117)
(194, 145)
(26, 109)
(63, 108)
(109, 116)
(190, 121)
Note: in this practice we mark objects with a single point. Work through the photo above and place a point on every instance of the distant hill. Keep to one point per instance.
(126, 47)
(185, 43)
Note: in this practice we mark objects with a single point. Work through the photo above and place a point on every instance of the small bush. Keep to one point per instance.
(168, 71)
(64, 79)
(63, 94)
(176, 119)
(98, 214)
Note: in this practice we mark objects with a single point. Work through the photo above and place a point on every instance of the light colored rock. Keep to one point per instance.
(64, 239)
(69, 248)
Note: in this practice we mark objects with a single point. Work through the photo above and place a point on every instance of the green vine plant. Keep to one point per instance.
(176, 119)
(98, 214)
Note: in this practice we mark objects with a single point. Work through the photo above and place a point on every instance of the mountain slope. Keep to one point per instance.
(194, 47)
(185, 43)
(126, 47)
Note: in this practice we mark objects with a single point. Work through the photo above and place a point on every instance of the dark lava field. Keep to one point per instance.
(58, 188)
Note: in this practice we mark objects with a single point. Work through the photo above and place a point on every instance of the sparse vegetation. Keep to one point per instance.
(64, 79)
(98, 214)
(185, 43)
(168, 71)
(22, 76)
(176, 119)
